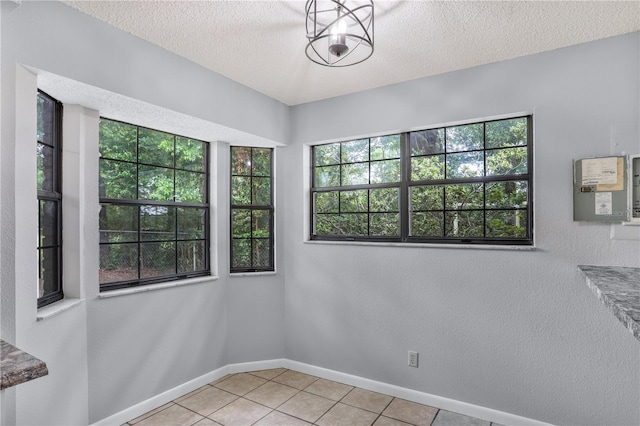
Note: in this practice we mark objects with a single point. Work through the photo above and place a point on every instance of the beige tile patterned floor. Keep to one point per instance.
(281, 397)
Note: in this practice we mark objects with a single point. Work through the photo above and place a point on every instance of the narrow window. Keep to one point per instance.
(154, 216)
(252, 209)
(49, 184)
(467, 184)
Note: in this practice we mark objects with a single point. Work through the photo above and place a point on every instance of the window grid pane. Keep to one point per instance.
(466, 184)
(252, 210)
(154, 216)
(49, 186)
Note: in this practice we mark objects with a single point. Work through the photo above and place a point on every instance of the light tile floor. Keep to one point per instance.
(281, 397)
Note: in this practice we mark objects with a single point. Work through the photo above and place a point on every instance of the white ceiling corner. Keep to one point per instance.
(261, 43)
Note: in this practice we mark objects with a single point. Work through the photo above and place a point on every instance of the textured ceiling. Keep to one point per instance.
(261, 43)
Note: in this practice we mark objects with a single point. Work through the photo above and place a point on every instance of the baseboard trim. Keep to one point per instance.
(174, 393)
(460, 407)
(161, 399)
(243, 367)
(349, 379)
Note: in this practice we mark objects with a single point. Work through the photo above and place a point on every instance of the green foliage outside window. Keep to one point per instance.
(49, 186)
(154, 206)
(251, 209)
(468, 183)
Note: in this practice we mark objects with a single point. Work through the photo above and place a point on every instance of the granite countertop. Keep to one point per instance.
(619, 289)
(17, 366)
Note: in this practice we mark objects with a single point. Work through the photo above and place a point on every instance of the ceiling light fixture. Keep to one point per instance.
(340, 32)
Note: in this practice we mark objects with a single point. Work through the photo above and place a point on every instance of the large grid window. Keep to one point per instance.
(49, 185)
(459, 184)
(154, 216)
(251, 209)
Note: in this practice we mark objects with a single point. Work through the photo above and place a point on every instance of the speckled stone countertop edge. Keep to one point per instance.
(17, 366)
(618, 310)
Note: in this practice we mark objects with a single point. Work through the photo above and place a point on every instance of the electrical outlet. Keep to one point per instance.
(413, 359)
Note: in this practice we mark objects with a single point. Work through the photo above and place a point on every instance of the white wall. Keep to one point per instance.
(51, 36)
(60, 340)
(516, 331)
(108, 354)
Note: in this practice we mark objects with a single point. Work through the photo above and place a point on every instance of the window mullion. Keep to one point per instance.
(175, 211)
(444, 189)
(368, 189)
(251, 216)
(340, 168)
(312, 198)
(484, 174)
(340, 180)
(175, 236)
(405, 178)
(139, 235)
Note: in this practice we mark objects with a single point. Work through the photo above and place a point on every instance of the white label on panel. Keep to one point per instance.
(604, 203)
(599, 171)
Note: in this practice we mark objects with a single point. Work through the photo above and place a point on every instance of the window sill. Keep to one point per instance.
(252, 274)
(633, 222)
(425, 245)
(153, 287)
(56, 308)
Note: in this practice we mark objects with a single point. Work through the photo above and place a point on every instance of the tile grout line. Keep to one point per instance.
(189, 409)
(297, 393)
(316, 379)
(147, 415)
(272, 409)
(242, 397)
(436, 415)
(209, 385)
(206, 416)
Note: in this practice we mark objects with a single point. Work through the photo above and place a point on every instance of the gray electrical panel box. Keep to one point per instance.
(600, 190)
(635, 187)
